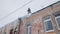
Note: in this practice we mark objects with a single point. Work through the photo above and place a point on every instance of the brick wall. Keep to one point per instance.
(37, 21)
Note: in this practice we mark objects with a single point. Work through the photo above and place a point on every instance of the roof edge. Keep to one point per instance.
(47, 7)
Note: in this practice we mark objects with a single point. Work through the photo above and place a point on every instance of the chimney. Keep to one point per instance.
(29, 10)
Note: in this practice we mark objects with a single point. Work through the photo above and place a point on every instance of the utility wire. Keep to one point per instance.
(15, 10)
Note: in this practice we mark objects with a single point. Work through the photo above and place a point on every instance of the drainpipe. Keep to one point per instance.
(19, 24)
(38, 31)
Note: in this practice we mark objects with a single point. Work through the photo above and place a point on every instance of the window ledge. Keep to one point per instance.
(50, 31)
(58, 28)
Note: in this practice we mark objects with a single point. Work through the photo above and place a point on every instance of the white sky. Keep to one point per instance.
(19, 8)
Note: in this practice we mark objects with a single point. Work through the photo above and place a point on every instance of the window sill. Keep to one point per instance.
(50, 31)
(58, 28)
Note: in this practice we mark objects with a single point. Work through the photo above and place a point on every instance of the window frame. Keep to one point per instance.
(57, 22)
(28, 28)
(45, 25)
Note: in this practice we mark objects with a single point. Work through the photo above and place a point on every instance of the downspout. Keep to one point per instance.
(19, 24)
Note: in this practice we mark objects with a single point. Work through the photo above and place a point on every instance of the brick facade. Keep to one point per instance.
(37, 20)
(33, 23)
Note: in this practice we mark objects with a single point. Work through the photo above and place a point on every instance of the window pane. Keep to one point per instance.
(26, 30)
(57, 15)
(48, 25)
(29, 30)
(4, 32)
(58, 20)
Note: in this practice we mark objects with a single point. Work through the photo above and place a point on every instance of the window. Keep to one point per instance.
(57, 17)
(4, 32)
(28, 29)
(48, 24)
(11, 31)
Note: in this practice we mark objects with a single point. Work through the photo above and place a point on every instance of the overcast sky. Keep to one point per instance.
(10, 10)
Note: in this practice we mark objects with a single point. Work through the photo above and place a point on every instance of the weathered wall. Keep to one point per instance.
(9, 26)
(37, 23)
